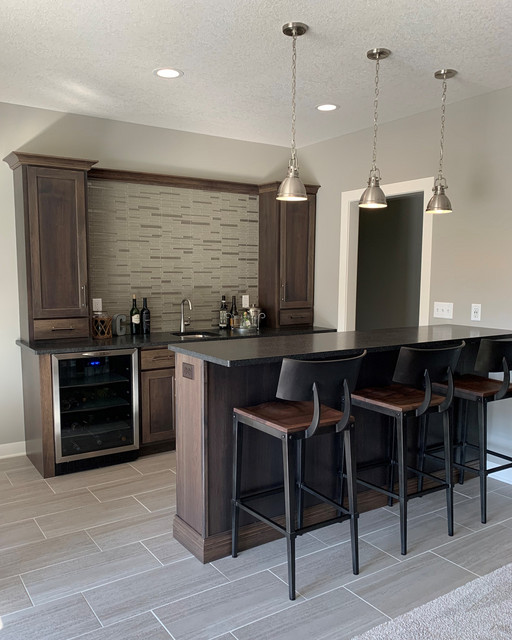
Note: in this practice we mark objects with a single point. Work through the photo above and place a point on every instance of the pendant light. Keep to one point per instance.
(373, 197)
(291, 188)
(439, 202)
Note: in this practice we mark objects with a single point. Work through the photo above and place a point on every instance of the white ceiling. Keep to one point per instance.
(96, 57)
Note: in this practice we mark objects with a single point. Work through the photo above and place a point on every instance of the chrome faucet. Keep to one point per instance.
(184, 323)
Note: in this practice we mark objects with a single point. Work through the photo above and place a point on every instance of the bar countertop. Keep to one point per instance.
(324, 345)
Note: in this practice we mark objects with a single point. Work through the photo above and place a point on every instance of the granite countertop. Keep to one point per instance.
(324, 345)
(160, 339)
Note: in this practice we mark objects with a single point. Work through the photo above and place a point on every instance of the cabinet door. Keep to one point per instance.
(157, 405)
(58, 243)
(297, 246)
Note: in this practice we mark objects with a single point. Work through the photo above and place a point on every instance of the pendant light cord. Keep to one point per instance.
(375, 115)
(443, 111)
(294, 81)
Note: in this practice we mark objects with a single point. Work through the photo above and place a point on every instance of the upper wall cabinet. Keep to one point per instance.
(51, 231)
(286, 257)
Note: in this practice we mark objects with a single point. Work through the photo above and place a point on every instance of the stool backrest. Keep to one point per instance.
(297, 377)
(413, 362)
(490, 355)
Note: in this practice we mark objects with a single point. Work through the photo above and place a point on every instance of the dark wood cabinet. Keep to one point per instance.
(51, 231)
(157, 396)
(286, 257)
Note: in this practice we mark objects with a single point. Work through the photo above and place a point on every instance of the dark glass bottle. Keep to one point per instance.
(134, 317)
(145, 317)
(234, 320)
(223, 314)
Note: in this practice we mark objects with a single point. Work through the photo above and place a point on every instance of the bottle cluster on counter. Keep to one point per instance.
(248, 318)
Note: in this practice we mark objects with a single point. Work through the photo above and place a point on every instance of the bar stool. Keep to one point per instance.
(410, 396)
(313, 398)
(493, 356)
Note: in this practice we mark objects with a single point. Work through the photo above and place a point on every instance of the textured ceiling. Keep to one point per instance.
(96, 58)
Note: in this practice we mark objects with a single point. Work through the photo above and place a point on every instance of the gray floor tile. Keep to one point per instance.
(59, 620)
(423, 533)
(467, 513)
(148, 525)
(159, 499)
(167, 549)
(18, 533)
(145, 591)
(36, 505)
(92, 477)
(89, 516)
(13, 595)
(481, 552)
(142, 484)
(23, 476)
(87, 572)
(265, 556)
(157, 462)
(42, 554)
(337, 615)
(368, 521)
(142, 627)
(25, 492)
(410, 583)
(331, 568)
(4, 480)
(503, 489)
(427, 504)
(15, 462)
(471, 487)
(226, 607)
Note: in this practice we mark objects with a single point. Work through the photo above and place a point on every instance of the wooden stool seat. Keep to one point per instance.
(473, 387)
(289, 417)
(395, 397)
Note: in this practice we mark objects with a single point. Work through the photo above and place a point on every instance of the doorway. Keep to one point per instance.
(349, 244)
(389, 264)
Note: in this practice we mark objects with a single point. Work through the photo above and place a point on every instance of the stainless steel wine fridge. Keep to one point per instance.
(96, 403)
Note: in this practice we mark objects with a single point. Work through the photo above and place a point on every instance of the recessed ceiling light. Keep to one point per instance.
(168, 73)
(327, 107)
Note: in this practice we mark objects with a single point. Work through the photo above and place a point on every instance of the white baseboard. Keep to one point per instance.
(504, 476)
(12, 449)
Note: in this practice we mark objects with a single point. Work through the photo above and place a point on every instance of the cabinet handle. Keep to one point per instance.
(83, 290)
(173, 391)
(162, 357)
(297, 317)
(71, 328)
(283, 295)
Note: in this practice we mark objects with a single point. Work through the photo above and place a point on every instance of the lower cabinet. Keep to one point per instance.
(157, 396)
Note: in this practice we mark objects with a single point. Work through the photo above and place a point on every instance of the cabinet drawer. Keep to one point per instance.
(61, 328)
(156, 358)
(296, 316)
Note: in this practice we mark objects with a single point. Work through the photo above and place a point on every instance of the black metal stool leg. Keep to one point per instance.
(289, 469)
(392, 458)
(237, 475)
(301, 464)
(448, 465)
(402, 479)
(422, 444)
(464, 437)
(482, 437)
(349, 450)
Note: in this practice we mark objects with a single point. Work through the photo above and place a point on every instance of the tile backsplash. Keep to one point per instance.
(168, 243)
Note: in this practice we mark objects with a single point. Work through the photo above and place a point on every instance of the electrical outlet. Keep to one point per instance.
(97, 304)
(443, 309)
(476, 310)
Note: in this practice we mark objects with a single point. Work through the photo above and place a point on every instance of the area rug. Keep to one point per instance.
(479, 610)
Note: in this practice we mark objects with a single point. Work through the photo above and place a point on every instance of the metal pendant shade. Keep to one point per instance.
(292, 189)
(439, 202)
(373, 197)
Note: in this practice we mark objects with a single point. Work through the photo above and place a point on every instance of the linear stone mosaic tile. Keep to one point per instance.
(168, 243)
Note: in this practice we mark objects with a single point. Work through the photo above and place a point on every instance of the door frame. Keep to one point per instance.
(349, 235)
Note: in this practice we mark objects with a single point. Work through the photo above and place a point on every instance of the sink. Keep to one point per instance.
(191, 335)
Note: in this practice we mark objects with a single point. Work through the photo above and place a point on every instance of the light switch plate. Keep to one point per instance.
(476, 311)
(97, 304)
(443, 309)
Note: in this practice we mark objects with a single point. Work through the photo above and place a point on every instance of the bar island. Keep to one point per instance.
(215, 376)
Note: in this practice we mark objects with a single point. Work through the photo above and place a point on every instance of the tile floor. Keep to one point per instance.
(91, 556)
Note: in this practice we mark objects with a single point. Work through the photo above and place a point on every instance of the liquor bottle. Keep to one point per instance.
(234, 319)
(223, 314)
(145, 317)
(134, 317)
